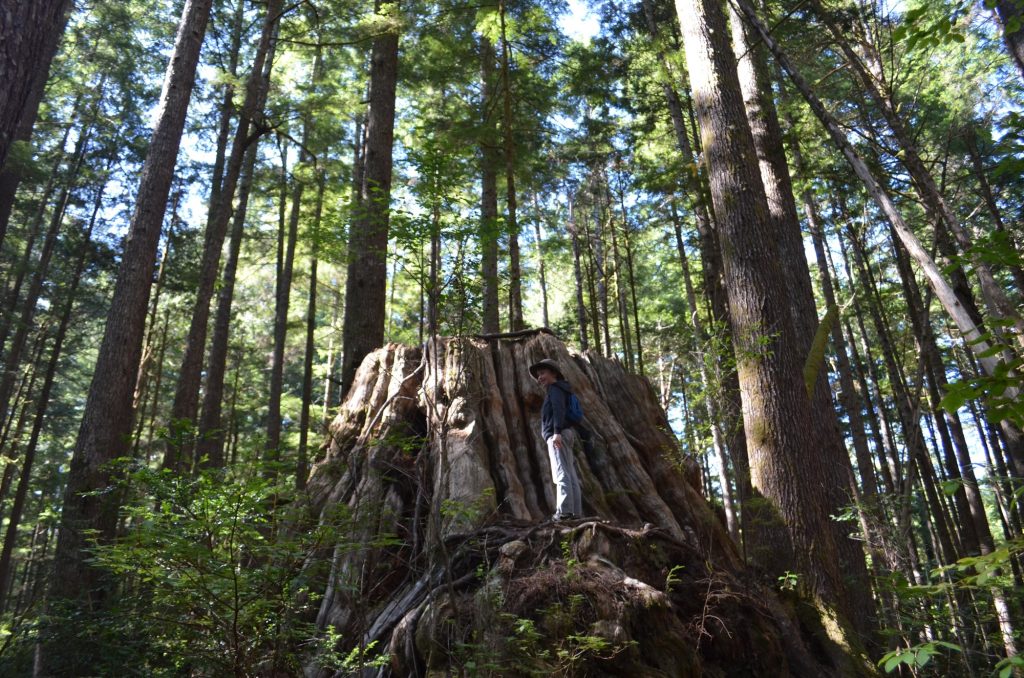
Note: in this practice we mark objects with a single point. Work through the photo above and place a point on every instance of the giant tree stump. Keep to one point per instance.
(436, 480)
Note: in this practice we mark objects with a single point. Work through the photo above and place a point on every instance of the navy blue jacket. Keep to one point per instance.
(553, 413)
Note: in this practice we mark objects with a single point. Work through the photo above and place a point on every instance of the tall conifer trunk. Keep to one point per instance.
(30, 31)
(781, 434)
(488, 189)
(366, 284)
(186, 396)
(107, 421)
(515, 286)
(756, 87)
(42, 403)
(967, 326)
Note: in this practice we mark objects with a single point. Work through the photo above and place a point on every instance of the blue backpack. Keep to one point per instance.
(574, 411)
(573, 408)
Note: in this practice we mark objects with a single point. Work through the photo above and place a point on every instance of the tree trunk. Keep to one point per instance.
(777, 412)
(107, 420)
(970, 332)
(11, 173)
(515, 287)
(540, 260)
(471, 497)
(756, 87)
(302, 464)
(227, 106)
(581, 309)
(365, 286)
(488, 190)
(42, 404)
(620, 299)
(1010, 16)
(25, 321)
(210, 441)
(711, 258)
(30, 31)
(732, 520)
(596, 237)
(179, 455)
(632, 282)
(34, 230)
(284, 289)
(971, 140)
(935, 204)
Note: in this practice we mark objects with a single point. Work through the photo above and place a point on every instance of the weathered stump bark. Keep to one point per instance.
(436, 480)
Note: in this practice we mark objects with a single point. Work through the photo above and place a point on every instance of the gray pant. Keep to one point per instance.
(568, 493)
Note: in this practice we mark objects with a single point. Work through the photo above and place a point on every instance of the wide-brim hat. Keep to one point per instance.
(549, 364)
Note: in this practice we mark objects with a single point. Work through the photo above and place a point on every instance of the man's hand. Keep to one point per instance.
(556, 440)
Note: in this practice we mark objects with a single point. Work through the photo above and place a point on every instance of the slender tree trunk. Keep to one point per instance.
(365, 287)
(15, 426)
(29, 35)
(632, 281)
(210, 442)
(847, 395)
(227, 106)
(540, 260)
(971, 138)
(24, 265)
(581, 309)
(284, 288)
(157, 382)
(620, 298)
(107, 420)
(700, 340)
(515, 288)
(330, 378)
(597, 249)
(590, 275)
(148, 345)
(186, 397)
(42, 404)
(489, 191)
(992, 293)
(908, 408)
(25, 321)
(302, 465)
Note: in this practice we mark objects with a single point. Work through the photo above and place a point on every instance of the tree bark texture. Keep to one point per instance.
(515, 286)
(107, 420)
(179, 455)
(366, 284)
(581, 309)
(756, 87)
(1011, 16)
(781, 437)
(442, 450)
(210, 442)
(488, 190)
(969, 330)
(30, 31)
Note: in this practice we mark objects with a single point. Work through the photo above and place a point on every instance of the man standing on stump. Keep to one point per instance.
(559, 434)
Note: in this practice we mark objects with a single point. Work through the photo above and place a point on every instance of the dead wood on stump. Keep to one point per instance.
(436, 479)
